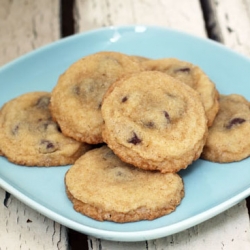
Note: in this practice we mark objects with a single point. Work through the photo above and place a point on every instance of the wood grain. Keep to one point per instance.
(177, 14)
(28, 24)
(24, 26)
(233, 224)
(228, 231)
(230, 23)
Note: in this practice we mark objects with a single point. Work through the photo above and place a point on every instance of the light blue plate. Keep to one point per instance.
(210, 188)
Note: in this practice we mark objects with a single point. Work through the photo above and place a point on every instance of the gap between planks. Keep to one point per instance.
(78, 240)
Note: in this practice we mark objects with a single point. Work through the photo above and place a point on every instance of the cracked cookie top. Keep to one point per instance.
(30, 137)
(77, 97)
(154, 121)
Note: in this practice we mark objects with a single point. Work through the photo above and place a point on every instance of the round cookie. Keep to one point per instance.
(154, 121)
(76, 99)
(30, 137)
(228, 137)
(122, 193)
(194, 77)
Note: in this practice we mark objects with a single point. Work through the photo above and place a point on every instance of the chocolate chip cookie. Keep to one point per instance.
(228, 137)
(77, 97)
(154, 121)
(103, 187)
(30, 137)
(194, 77)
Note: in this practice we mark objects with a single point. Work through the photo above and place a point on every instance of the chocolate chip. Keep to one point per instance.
(15, 129)
(171, 95)
(119, 173)
(76, 90)
(185, 70)
(43, 126)
(85, 88)
(166, 115)
(47, 146)
(124, 99)
(135, 139)
(235, 121)
(43, 102)
(149, 124)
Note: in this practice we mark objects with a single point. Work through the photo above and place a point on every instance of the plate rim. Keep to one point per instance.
(121, 28)
(108, 234)
(126, 236)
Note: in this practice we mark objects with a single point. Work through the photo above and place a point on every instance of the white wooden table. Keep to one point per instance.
(29, 24)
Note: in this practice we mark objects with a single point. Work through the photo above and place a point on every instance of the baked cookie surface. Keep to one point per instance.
(154, 121)
(30, 137)
(139, 58)
(103, 187)
(76, 99)
(194, 77)
(228, 137)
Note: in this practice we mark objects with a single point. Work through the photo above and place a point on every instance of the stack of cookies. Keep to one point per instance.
(152, 125)
(128, 125)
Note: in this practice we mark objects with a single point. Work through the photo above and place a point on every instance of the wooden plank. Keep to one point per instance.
(221, 232)
(229, 230)
(231, 21)
(177, 14)
(23, 228)
(24, 26)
